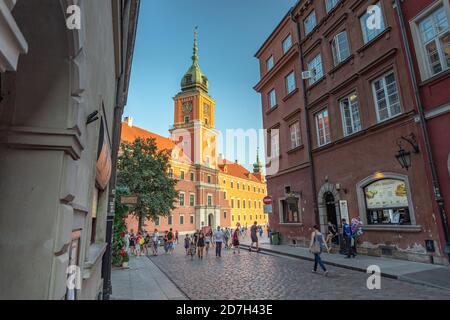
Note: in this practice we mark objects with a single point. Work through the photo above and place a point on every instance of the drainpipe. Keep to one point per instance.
(308, 127)
(423, 125)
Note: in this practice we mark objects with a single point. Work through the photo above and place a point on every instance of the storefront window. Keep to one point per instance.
(290, 212)
(387, 202)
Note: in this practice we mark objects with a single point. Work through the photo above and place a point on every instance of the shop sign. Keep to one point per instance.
(268, 208)
(343, 208)
(386, 193)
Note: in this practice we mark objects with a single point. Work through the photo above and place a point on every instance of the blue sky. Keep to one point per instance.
(230, 32)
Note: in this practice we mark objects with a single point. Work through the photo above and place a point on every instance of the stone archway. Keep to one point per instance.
(327, 191)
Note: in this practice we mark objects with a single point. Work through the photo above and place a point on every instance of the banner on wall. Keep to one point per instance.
(386, 193)
(104, 162)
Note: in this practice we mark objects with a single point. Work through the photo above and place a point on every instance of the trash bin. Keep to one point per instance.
(276, 238)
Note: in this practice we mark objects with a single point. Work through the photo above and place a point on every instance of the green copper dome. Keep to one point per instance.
(257, 166)
(194, 78)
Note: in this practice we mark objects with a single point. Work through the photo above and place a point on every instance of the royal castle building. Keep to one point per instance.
(212, 191)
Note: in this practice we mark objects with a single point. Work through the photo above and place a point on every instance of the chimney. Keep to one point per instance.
(236, 161)
(129, 121)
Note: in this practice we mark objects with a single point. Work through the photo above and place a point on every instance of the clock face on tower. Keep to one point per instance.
(187, 107)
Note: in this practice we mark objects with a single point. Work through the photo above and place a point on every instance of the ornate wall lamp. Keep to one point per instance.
(403, 156)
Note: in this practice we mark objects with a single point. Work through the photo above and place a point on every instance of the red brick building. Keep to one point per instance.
(356, 111)
(427, 30)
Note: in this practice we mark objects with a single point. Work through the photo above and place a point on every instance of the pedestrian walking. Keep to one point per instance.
(126, 238)
(356, 232)
(200, 244)
(254, 237)
(316, 247)
(176, 236)
(187, 242)
(207, 241)
(260, 231)
(235, 241)
(155, 242)
(166, 242)
(170, 241)
(132, 242)
(226, 236)
(347, 233)
(218, 238)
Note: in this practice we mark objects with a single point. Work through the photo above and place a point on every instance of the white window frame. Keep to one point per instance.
(170, 220)
(295, 136)
(290, 87)
(190, 195)
(340, 53)
(187, 119)
(327, 138)
(366, 33)
(310, 22)
(184, 198)
(272, 99)
(313, 66)
(353, 121)
(388, 104)
(191, 219)
(274, 147)
(270, 63)
(287, 44)
(426, 71)
(182, 175)
(331, 4)
(181, 219)
(208, 197)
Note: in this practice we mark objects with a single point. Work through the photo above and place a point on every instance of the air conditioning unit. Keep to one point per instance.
(307, 75)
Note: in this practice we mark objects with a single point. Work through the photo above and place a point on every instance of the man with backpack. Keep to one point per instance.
(170, 240)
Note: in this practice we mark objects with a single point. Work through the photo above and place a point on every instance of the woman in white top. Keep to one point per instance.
(155, 242)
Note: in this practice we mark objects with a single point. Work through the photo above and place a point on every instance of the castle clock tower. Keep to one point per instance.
(194, 133)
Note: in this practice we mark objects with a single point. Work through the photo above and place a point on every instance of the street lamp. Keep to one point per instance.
(403, 157)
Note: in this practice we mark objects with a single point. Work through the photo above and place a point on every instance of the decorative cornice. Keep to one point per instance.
(42, 139)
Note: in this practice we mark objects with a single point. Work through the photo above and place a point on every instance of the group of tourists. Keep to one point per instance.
(142, 243)
(350, 232)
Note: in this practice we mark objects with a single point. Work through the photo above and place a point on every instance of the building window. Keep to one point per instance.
(239, 204)
(210, 202)
(237, 186)
(181, 195)
(251, 217)
(170, 220)
(156, 221)
(248, 188)
(187, 119)
(232, 217)
(315, 66)
(330, 4)
(232, 203)
(181, 175)
(274, 143)
(209, 179)
(191, 219)
(239, 218)
(243, 204)
(269, 63)
(351, 121)
(340, 47)
(387, 202)
(294, 130)
(323, 128)
(181, 219)
(254, 202)
(225, 215)
(225, 195)
(232, 184)
(272, 99)
(245, 217)
(254, 189)
(249, 204)
(171, 173)
(310, 22)
(370, 26)
(290, 82)
(192, 200)
(290, 212)
(386, 97)
(192, 176)
(435, 40)
(287, 43)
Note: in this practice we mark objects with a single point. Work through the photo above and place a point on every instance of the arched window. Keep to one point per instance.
(385, 200)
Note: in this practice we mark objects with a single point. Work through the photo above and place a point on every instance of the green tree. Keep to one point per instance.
(144, 171)
(121, 212)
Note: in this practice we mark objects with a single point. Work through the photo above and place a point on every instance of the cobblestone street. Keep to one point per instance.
(260, 276)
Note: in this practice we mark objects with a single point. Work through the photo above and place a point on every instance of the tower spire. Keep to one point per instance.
(195, 56)
(257, 166)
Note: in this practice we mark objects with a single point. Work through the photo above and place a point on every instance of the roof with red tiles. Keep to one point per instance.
(130, 133)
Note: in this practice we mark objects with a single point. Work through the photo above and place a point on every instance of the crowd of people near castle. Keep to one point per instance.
(195, 244)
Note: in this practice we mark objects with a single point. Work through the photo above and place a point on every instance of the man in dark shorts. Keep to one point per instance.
(254, 236)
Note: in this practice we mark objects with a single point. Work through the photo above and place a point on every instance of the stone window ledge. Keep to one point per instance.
(96, 251)
(286, 224)
(396, 228)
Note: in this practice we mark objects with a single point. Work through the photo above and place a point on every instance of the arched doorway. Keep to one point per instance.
(211, 221)
(330, 204)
